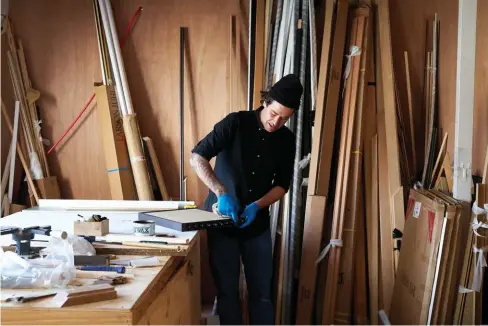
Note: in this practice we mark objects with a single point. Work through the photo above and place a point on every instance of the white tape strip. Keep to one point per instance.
(355, 51)
(332, 244)
(135, 159)
(478, 270)
(477, 224)
(462, 289)
(304, 162)
(384, 318)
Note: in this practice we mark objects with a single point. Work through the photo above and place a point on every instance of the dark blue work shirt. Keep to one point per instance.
(250, 162)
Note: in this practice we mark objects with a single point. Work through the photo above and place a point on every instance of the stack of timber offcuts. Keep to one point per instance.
(430, 259)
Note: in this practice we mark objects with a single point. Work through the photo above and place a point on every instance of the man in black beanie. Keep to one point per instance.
(255, 157)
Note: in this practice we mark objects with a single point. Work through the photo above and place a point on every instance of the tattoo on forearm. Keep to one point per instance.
(206, 174)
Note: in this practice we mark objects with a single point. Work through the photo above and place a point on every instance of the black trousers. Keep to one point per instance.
(225, 253)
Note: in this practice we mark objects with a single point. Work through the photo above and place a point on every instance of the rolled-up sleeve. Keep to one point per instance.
(221, 136)
(284, 172)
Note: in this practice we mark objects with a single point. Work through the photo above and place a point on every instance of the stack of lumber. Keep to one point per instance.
(27, 142)
(358, 232)
(468, 309)
(349, 174)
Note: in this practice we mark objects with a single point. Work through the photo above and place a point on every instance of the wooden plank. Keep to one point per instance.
(460, 230)
(317, 139)
(21, 156)
(440, 158)
(386, 259)
(485, 167)
(440, 291)
(342, 182)
(448, 171)
(372, 232)
(397, 208)
(410, 113)
(332, 100)
(157, 168)
(387, 278)
(314, 211)
(432, 125)
(314, 221)
(481, 194)
(343, 311)
(360, 311)
(259, 50)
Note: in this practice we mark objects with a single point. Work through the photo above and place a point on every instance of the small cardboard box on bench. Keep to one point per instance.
(96, 229)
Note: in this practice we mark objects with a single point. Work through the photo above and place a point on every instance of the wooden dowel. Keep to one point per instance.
(33, 111)
(410, 111)
(21, 156)
(485, 168)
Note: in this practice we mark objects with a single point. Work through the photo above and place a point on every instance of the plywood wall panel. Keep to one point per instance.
(59, 41)
(60, 44)
(62, 56)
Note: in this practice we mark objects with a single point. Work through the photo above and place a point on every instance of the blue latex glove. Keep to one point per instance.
(249, 214)
(228, 205)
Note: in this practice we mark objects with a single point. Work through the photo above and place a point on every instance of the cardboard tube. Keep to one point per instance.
(137, 158)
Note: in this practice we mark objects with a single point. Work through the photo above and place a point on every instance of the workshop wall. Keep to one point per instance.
(61, 49)
(60, 43)
(408, 32)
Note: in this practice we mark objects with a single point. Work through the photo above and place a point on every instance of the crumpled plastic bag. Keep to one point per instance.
(19, 273)
(73, 244)
(55, 269)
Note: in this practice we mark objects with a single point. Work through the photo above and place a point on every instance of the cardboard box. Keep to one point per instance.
(97, 229)
(114, 145)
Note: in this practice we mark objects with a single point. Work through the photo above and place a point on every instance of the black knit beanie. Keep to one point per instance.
(287, 91)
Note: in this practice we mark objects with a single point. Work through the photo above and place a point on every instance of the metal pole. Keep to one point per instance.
(182, 97)
(252, 47)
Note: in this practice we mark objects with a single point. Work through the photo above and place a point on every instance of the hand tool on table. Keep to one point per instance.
(112, 280)
(28, 298)
(103, 268)
(23, 237)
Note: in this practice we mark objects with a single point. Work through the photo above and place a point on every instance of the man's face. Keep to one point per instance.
(274, 116)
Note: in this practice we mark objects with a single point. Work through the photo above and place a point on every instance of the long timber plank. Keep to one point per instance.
(322, 146)
(389, 103)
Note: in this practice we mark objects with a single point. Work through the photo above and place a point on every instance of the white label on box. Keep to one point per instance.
(416, 209)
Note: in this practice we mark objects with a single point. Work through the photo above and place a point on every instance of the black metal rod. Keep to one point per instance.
(252, 54)
(182, 97)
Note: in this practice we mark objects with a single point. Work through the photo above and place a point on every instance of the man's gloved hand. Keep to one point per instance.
(228, 205)
(249, 214)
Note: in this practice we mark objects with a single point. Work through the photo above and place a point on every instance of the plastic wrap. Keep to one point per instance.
(73, 244)
(55, 269)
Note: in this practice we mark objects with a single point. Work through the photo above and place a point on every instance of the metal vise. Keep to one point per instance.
(23, 237)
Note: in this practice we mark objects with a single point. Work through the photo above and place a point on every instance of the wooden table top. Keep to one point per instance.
(128, 294)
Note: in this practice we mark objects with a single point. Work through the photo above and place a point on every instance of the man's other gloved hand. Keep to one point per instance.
(228, 205)
(249, 214)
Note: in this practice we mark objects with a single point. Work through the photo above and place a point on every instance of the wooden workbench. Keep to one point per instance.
(167, 294)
